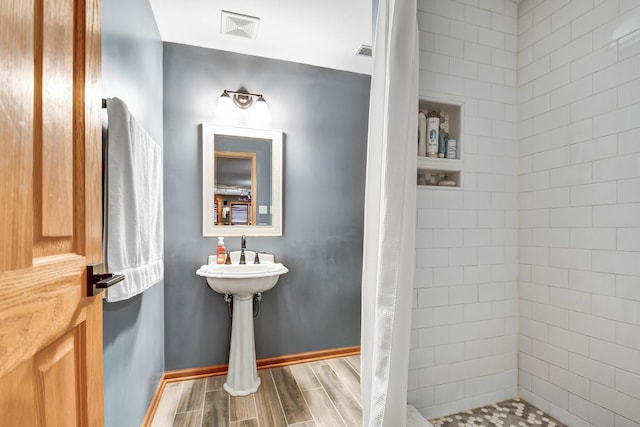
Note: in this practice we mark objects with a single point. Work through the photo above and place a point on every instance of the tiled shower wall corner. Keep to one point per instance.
(464, 331)
(579, 288)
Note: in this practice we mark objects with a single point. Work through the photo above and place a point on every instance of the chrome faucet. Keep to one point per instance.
(243, 246)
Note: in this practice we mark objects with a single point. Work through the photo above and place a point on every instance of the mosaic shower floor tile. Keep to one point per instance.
(509, 413)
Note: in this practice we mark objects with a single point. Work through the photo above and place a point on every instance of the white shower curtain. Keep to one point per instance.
(389, 224)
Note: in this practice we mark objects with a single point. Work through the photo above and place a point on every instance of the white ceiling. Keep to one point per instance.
(324, 33)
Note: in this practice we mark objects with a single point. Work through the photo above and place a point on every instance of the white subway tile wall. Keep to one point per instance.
(528, 279)
(464, 336)
(579, 192)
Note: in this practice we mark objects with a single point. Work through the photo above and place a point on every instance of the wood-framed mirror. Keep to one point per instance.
(242, 181)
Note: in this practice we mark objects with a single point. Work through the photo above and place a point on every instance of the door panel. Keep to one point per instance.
(17, 395)
(37, 305)
(56, 46)
(55, 368)
(53, 127)
(16, 133)
(51, 215)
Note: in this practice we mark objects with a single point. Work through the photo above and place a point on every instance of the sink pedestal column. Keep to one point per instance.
(242, 378)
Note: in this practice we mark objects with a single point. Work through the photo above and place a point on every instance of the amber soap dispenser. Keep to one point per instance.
(220, 251)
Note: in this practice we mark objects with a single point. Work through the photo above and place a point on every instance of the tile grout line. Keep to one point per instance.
(344, 384)
(284, 415)
(356, 369)
(255, 405)
(341, 381)
(328, 397)
(249, 418)
(204, 399)
(306, 403)
(175, 409)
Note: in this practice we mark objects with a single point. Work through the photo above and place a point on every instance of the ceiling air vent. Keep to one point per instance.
(364, 50)
(239, 25)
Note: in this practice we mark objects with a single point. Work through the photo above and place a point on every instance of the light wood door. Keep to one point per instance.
(50, 213)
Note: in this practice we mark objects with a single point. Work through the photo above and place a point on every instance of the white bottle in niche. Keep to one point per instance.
(433, 123)
(452, 149)
(422, 134)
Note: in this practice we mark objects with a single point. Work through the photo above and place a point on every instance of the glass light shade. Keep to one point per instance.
(261, 110)
(225, 105)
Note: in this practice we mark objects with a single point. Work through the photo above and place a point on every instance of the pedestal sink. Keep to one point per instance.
(242, 281)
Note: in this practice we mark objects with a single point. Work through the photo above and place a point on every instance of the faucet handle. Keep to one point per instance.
(227, 259)
(256, 259)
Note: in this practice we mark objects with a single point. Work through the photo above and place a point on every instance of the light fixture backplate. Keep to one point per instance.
(243, 100)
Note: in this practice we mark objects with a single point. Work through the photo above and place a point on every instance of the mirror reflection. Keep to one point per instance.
(234, 188)
(242, 181)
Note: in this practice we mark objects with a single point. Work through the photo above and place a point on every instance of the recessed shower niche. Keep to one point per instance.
(444, 167)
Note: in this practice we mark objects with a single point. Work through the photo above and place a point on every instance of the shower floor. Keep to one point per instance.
(509, 413)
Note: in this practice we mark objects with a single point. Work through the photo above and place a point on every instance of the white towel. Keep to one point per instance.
(134, 218)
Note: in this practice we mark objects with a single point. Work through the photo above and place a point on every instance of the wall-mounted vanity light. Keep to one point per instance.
(243, 100)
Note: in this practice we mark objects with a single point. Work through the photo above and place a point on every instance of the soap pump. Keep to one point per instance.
(221, 253)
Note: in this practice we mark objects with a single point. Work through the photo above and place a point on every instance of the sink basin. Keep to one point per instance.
(242, 282)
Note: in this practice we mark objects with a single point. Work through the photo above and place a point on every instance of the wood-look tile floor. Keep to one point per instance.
(316, 394)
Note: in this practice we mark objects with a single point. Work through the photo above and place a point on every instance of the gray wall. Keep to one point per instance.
(324, 115)
(133, 329)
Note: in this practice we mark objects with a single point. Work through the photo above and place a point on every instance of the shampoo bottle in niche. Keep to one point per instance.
(452, 149)
(442, 145)
(221, 253)
(433, 123)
